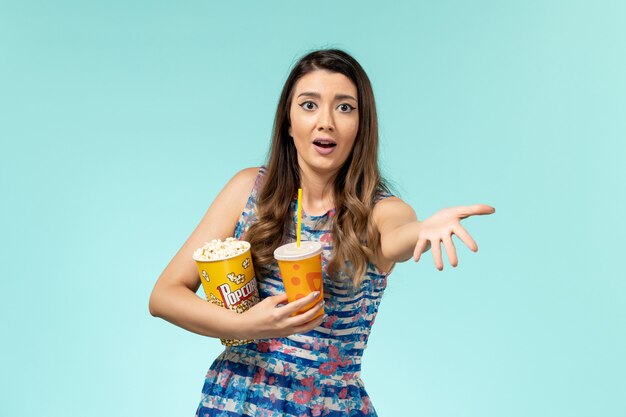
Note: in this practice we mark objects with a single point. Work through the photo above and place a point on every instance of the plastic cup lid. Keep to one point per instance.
(291, 252)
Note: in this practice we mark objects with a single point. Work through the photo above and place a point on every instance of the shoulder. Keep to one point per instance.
(220, 220)
(246, 178)
(237, 190)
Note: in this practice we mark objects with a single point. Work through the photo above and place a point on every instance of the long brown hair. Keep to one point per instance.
(355, 237)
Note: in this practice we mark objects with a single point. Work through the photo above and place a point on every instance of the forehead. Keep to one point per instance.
(325, 82)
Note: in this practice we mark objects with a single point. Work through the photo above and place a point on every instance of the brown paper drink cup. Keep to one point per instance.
(228, 281)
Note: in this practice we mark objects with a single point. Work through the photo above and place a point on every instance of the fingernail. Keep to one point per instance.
(321, 303)
(316, 294)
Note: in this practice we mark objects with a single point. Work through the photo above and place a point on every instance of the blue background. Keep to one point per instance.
(120, 122)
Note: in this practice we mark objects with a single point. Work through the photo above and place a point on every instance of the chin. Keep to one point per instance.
(322, 164)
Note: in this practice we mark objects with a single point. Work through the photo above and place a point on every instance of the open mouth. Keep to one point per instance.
(323, 143)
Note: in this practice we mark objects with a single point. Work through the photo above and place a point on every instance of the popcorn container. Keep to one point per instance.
(301, 271)
(227, 277)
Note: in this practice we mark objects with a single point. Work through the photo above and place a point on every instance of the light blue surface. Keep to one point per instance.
(119, 123)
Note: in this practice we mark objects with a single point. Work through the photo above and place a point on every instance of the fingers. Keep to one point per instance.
(301, 303)
(419, 249)
(451, 251)
(448, 245)
(277, 299)
(475, 209)
(272, 320)
(307, 316)
(307, 327)
(436, 250)
(466, 238)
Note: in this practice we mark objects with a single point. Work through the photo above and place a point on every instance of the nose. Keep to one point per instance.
(325, 120)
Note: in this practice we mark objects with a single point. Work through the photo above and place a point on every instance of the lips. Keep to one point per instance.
(324, 146)
(324, 143)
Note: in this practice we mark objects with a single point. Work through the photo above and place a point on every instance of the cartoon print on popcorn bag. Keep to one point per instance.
(205, 276)
(246, 263)
(237, 279)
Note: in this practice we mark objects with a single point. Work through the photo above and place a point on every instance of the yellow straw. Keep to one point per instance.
(299, 225)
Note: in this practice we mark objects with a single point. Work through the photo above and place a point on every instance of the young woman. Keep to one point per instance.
(325, 141)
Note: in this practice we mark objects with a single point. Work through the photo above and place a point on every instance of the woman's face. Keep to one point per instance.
(324, 120)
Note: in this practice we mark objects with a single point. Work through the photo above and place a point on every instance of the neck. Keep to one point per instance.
(317, 191)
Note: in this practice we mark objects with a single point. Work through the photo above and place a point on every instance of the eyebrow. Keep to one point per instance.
(317, 95)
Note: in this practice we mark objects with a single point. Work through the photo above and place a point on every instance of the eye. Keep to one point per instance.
(308, 105)
(345, 108)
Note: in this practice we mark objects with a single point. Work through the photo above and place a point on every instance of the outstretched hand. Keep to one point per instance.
(441, 226)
